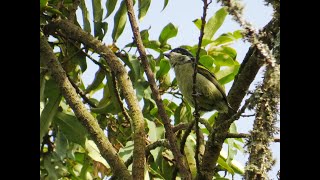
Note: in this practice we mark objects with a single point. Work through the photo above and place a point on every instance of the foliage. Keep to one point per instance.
(67, 150)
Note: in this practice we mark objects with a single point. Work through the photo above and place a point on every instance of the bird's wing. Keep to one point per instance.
(209, 75)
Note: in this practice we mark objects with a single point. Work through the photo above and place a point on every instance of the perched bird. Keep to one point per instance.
(210, 94)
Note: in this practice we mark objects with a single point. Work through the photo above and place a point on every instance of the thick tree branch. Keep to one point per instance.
(247, 72)
(125, 84)
(70, 94)
(181, 161)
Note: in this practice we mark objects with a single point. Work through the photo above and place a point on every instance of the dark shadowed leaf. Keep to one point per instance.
(85, 16)
(110, 5)
(71, 128)
(53, 96)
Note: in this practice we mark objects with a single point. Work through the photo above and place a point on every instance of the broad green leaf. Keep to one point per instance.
(152, 133)
(85, 16)
(237, 34)
(169, 31)
(110, 5)
(235, 165)
(99, 77)
(61, 145)
(214, 23)
(164, 68)
(97, 18)
(126, 151)
(207, 61)
(51, 92)
(189, 150)
(225, 165)
(226, 75)
(165, 4)
(154, 172)
(222, 59)
(94, 152)
(144, 35)
(120, 20)
(143, 6)
(54, 167)
(71, 128)
(231, 150)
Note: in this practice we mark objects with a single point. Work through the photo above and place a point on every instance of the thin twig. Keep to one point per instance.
(116, 89)
(159, 143)
(180, 126)
(82, 94)
(194, 92)
(181, 161)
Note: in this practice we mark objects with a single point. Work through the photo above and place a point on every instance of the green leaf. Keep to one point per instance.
(143, 6)
(214, 23)
(190, 154)
(54, 97)
(228, 74)
(62, 145)
(237, 34)
(144, 35)
(207, 61)
(110, 5)
(231, 150)
(222, 59)
(71, 128)
(225, 165)
(198, 23)
(97, 18)
(235, 165)
(152, 133)
(43, 3)
(164, 68)
(120, 20)
(99, 77)
(85, 16)
(169, 31)
(165, 4)
(94, 152)
(126, 151)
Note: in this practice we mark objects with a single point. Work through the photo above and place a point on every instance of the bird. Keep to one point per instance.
(210, 94)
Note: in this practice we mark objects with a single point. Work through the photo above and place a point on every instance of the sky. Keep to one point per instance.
(181, 13)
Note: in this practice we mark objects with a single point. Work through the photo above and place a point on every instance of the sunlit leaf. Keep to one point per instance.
(169, 31)
(120, 20)
(165, 4)
(94, 152)
(143, 6)
(214, 23)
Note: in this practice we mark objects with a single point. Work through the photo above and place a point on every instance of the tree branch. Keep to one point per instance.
(180, 159)
(70, 94)
(194, 77)
(161, 142)
(247, 73)
(81, 93)
(125, 84)
(243, 135)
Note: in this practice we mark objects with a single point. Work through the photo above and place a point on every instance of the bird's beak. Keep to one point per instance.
(166, 55)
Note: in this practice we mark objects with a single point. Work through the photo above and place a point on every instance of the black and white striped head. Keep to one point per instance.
(179, 56)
